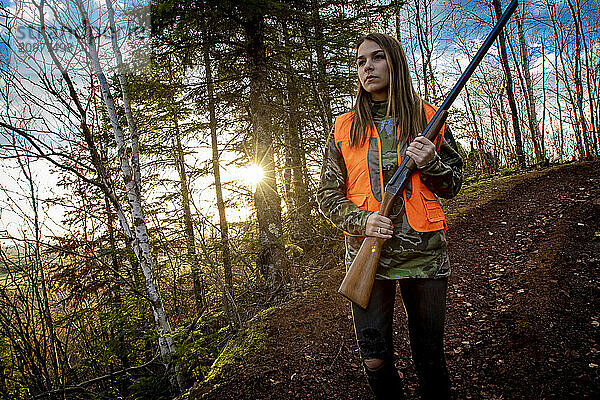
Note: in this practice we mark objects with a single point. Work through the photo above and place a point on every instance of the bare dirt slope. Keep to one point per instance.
(523, 317)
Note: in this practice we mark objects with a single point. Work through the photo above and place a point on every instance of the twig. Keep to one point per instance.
(336, 357)
(82, 386)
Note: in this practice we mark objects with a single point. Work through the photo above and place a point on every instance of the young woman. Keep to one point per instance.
(363, 152)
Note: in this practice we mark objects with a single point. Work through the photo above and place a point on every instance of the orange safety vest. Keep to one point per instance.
(364, 183)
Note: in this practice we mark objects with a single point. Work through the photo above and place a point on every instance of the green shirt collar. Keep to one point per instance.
(378, 109)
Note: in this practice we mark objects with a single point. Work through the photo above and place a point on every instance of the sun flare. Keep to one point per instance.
(252, 175)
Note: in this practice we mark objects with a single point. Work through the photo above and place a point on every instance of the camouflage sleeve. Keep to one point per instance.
(331, 193)
(443, 174)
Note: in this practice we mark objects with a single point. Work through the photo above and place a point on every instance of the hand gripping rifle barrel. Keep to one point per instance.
(359, 279)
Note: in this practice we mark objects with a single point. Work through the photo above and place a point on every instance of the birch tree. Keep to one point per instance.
(129, 168)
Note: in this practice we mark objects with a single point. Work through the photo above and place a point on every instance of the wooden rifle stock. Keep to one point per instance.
(358, 283)
(359, 279)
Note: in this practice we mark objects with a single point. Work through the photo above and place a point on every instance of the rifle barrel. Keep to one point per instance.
(393, 184)
(479, 56)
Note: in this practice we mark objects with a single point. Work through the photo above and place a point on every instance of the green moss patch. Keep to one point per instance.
(249, 342)
(242, 355)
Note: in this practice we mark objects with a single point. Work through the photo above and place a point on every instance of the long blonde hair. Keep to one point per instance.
(405, 106)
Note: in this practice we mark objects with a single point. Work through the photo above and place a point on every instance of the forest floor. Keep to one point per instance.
(523, 311)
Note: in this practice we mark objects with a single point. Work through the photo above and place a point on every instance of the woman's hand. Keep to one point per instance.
(421, 150)
(379, 226)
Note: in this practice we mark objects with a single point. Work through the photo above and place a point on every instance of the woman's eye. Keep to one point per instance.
(379, 56)
(361, 63)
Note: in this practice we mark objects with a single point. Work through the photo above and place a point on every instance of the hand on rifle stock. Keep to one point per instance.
(359, 279)
(379, 226)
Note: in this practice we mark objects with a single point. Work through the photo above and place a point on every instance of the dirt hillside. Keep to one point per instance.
(523, 316)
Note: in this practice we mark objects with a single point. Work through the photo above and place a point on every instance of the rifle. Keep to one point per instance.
(359, 279)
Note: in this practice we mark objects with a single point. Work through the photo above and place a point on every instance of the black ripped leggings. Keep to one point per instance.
(425, 304)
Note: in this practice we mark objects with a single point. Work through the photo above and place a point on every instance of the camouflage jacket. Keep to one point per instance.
(408, 254)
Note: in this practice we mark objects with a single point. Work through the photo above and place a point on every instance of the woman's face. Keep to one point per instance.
(373, 71)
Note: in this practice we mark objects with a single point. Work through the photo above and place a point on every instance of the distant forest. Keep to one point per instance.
(160, 162)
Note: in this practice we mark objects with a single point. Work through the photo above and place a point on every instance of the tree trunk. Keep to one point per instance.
(397, 6)
(227, 289)
(425, 55)
(592, 85)
(188, 223)
(423, 21)
(528, 93)
(558, 49)
(543, 130)
(122, 77)
(494, 94)
(506, 137)
(471, 113)
(560, 118)
(298, 207)
(560, 44)
(271, 256)
(575, 13)
(509, 91)
(323, 97)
